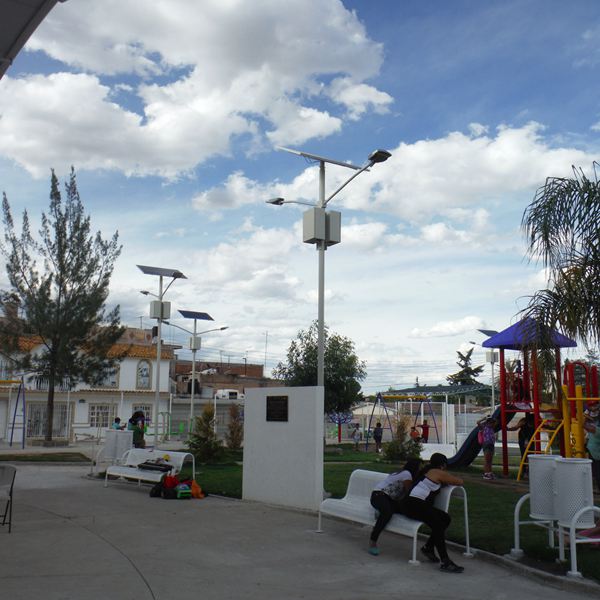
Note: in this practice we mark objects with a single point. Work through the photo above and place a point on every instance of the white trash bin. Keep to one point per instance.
(542, 472)
(573, 491)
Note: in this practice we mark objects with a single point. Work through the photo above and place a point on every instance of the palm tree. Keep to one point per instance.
(562, 227)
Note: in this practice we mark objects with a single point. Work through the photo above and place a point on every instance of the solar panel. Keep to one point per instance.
(488, 332)
(174, 273)
(192, 314)
(320, 158)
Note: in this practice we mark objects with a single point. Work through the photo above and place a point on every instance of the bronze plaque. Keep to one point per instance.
(277, 408)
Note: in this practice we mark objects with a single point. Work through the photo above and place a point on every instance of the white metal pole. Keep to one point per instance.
(215, 413)
(321, 312)
(158, 350)
(193, 378)
(493, 385)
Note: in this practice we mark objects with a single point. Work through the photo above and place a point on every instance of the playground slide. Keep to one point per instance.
(468, 452)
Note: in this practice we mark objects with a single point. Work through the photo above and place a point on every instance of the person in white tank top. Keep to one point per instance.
(419, 506)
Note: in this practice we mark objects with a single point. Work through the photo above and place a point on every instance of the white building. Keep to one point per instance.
(86, 411)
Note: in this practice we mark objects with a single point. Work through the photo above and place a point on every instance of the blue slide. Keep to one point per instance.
(468, 452)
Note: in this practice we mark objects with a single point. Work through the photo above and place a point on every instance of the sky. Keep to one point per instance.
(172, 113)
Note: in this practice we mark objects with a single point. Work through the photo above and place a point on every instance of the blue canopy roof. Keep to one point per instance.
(525, 333)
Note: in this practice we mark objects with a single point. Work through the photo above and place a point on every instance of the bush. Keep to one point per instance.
(235, 429)
(203, 442)
(402, 447)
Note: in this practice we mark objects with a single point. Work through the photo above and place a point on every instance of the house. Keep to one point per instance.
(84, 410)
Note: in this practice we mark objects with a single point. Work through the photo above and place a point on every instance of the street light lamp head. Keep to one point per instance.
(275, 201)
(223, 328)
(145, 292)
(379, 156)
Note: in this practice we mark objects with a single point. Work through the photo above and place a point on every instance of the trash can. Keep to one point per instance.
(573, 491)
(542, 469)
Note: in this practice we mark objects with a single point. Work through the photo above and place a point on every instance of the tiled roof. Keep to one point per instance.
(139, 351)
(28, 343)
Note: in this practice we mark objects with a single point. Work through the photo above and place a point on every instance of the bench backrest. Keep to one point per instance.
(362, 482)
(135, 456)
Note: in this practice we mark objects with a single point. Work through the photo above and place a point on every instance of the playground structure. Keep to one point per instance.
(557, 420)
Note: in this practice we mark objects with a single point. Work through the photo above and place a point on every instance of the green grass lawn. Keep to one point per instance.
(46, 457)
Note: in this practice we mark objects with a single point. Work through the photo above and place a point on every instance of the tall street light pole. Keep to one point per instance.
(195, 345)
(159, 310)
(324, 229)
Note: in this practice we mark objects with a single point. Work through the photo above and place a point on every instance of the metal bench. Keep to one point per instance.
(128, 465)
(356, 506)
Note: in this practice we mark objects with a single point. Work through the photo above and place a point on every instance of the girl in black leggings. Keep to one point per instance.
(419, 506)
(387, 497)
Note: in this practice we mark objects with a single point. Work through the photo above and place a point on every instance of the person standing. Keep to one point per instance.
(387, 498)
(137, 423)
(378, 436)
(487, 438)
(526, 428)
(424, 431)
(419, 506)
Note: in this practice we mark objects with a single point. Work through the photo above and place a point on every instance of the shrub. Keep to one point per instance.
(235, 428)
(402, 447)
(203, 442)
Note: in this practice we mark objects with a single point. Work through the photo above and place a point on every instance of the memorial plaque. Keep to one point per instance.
(277, 408)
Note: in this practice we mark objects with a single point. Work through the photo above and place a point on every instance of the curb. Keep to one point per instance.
(560, 582)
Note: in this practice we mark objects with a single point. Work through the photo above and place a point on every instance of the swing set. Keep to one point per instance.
(380, 402)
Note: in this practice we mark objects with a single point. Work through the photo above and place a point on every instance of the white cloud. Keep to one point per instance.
(449, 328)
(358, 98)
(261, 79)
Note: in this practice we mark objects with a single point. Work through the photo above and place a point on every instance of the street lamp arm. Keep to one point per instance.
(280, 201)
(191, 332)
(170, 283)
(375, 157)
(354, 175)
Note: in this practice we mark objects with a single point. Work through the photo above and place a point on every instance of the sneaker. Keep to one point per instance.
(450, 567)
(430, 554)
(488, 476)
(374, 551)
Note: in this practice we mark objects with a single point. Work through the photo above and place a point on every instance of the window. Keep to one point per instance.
(101, 415)
(146, 409)
(143, 375)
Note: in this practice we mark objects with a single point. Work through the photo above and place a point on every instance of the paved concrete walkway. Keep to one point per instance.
(73, 539)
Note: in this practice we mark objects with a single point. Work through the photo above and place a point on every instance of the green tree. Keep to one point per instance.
(343, 369)
(561, 229)
(467, 373)
(203, 442)
(60, 283)
(235, 429)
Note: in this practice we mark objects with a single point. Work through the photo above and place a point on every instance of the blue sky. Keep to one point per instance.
(171, 112)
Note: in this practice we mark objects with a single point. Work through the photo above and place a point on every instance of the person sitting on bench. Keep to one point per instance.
(387, 497)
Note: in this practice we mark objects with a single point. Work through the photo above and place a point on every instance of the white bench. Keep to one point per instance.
(356, 506)
(127, 466)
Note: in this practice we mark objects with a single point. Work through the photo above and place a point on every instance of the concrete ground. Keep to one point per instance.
(73, 539)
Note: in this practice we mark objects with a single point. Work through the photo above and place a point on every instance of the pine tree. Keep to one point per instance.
(60, 283)
(203, 442)
(235, 429)
(467, 373)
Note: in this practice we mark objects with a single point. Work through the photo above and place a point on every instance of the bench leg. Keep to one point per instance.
(319, 530)
(467, 551)
(414, 560)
